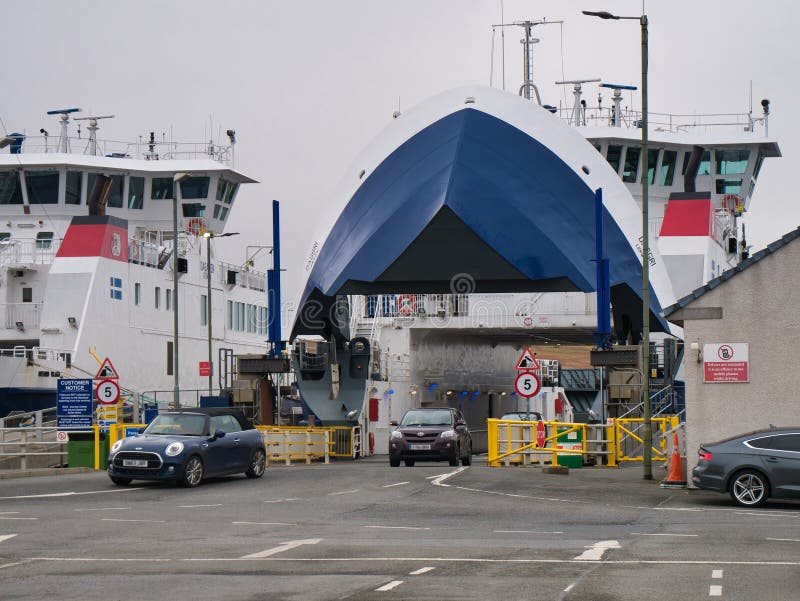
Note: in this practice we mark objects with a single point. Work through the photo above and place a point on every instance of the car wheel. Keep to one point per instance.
(257, 465)
(409, 462)
(467, 459)
(192, 472)
(749, 489)
(120, 481)
(394, 461)
(454, 458)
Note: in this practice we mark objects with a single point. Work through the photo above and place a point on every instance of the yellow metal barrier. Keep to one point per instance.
(624, 430)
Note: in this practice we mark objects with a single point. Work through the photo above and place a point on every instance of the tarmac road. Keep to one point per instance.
(362, 530)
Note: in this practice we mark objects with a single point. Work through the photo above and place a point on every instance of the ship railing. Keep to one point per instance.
(412, 305)
(142, 150)
(245, 277)
(28, 440)
(632, 119)
(21, 316)
(27, 251)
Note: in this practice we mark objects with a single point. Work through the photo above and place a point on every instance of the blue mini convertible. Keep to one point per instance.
(187, 445)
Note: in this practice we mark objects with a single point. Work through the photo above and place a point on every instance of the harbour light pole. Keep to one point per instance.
(178, 179)
(647, 430)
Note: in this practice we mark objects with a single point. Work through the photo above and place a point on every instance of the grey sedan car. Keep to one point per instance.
(752, 467)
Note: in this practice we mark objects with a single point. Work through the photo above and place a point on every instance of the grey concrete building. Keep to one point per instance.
(754, 309)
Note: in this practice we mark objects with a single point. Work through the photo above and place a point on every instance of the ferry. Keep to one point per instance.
(466, 232)
(88, 253)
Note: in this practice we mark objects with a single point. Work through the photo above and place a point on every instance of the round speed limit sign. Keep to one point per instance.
(107, 392)
(527, 384)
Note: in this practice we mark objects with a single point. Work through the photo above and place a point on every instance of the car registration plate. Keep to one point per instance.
(134, 463)
(420, 447)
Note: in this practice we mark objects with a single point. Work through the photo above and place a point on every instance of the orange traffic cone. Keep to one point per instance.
(675, 477)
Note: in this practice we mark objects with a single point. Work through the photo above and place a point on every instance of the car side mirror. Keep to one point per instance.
(219, 434)
(460, 422)
(141, 430)
(393, 422)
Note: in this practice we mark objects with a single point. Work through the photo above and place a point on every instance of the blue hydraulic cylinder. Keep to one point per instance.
(602, 336)
(274, 287)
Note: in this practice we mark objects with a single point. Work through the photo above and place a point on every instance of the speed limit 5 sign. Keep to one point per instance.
(107, 392)
(527, 384)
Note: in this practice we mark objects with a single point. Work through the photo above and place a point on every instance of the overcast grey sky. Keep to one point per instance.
(307, 83)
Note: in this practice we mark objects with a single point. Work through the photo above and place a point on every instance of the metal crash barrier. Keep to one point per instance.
(573, 444)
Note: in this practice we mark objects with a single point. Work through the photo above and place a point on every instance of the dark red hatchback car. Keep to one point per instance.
(430, 434)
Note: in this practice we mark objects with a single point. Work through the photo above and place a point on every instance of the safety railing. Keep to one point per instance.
(515, 442)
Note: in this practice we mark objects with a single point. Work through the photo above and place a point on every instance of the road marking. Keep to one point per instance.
(9, 565)
(439, 479)
(660, 534)
(146, 521)
(281, 548)
(344, 492)
(192, 506)
(7, 512)
(264, 523)
(280, 500)
(528, 532)
(595, 552)
(767, 515)
(6, 537)
(389, 586)
(103, 509)
(715, 590)
(788, 540)
(716, 573)
(400, 527)
(395, 484)
(69, 494)
(569, 588)
(2, 517)
(421, 571)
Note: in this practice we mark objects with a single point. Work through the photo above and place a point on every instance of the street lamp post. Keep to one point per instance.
(208, 236)
(647, 430)
(178, 179)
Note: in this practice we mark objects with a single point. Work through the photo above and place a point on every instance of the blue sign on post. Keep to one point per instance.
(74, 404)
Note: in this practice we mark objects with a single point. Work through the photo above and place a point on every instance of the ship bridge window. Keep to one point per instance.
(195, 187)
(193, 209)
(5, 236)
(705, 163)
(114, 199)
(10, 190)
(135, 192)
(42, 187)
(668, 167)
(613, 156)
(652, 162)
(161, 188)
(631, 167)
(226, 191)
(73, 190)
(731, 161)
(756, 171)
(729, 186)
(44, 240)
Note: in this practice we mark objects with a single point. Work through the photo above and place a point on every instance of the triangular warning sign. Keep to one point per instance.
(527, 361)
(107, 371)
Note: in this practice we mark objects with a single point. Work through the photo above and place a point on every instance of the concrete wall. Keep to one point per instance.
(760, 306)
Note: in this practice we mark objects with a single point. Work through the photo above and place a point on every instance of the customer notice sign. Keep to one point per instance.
(74, 404)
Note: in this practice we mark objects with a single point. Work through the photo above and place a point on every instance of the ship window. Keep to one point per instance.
(168, 295)
(668, 167)
(170, 358)
(631, 167)
(195, 187)
(731, 161)
(203, 310)
(44, 240)
(161, 188)
(223, 213)
(729, 186)
(231, 192)
(230, 315)
(251, 319)
(217, 209)
(225, 191)
(5, 236)
(756, 171)
(135, 192)
(10, 190)
(114, 196)
(705, 163)
(652, 162)
(42, 187)
(193, 209)
(137, 293)
(613, 156)
(27, 295)
(73, 191)
(157, 303)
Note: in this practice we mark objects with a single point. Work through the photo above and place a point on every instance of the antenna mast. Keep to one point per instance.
(93, 127)
(63, 141)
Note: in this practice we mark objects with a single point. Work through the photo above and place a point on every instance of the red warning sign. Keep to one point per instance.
(527, 361)
(107, 371)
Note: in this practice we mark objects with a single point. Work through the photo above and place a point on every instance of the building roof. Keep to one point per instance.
(729, 273)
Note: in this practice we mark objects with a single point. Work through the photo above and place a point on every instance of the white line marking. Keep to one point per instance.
(439, 479)
(192, 506)
(528, 532)
(431, 477)
(280, 500)
(400, 527)
(715, 590)
(103, 509)
(421, 571)
(766, 515)
(788, 540)
(389, 586)
(660, 534)
(595, 552)
(2, 517)
(8, 565)
(395, 484)
(264, 523)
(6, 537)
(146, 521)
(69, 494)
(569, 588)
(716, 573)
(282, 547)
(344, 492)
(7, 512)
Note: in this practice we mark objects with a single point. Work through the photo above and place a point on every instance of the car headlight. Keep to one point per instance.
(174, 448)
(397, 434)
(115, 447)
(449, 434)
